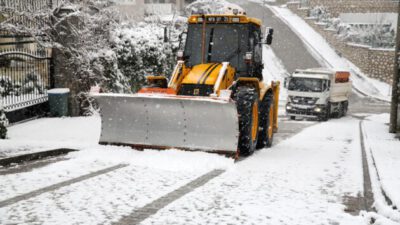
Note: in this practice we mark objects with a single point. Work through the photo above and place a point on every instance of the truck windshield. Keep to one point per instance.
(307, 84)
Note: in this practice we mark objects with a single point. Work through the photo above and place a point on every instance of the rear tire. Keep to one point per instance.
(264, 137)
(340, 110)
(271, 130)
(292, 117)
(247, 102)
(345, 105)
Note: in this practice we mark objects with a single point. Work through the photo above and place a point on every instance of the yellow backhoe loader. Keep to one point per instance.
(215, 100)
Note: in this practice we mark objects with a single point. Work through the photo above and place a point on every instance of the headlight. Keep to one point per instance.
(288, 107)
(317, 109)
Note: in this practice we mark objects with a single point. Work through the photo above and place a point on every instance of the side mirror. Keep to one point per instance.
(285, 82)
(269, 35)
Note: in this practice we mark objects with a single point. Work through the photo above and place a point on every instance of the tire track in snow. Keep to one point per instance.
(53, 187)
(368, 194)
(152, 208)
(381, 199)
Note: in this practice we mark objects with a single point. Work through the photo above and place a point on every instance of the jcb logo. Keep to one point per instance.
(196, 91)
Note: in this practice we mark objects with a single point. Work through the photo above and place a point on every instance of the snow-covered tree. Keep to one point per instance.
(212, 7)
(141, 51)
(378, 34)
(3, 123)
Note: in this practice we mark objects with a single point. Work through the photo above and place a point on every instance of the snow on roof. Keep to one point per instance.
(58, 91)
(215, 7)
(316, 70)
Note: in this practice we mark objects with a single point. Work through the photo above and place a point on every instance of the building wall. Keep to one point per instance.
(130, 9)
(137, 9)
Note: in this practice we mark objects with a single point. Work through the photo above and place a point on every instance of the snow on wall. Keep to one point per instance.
(374, 18)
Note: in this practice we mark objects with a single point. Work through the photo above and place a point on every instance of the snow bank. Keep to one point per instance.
(171, 160)
(383, 150)
(58, 91)
(323, 52)
(50, 133)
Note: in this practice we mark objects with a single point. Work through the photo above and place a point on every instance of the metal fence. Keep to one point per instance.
(24, 78)
(27, 5)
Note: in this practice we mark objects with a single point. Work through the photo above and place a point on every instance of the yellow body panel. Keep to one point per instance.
(200, 73)
(207, 74)
(274, 87)
(227, 19)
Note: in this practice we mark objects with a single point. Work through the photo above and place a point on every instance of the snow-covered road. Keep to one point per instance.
(305, 179)
(312, 175)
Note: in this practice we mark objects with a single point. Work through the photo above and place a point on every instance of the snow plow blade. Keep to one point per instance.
(154, 122)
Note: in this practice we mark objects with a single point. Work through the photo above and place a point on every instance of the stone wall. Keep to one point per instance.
(376, 63)
(295, 7)
(336, 7)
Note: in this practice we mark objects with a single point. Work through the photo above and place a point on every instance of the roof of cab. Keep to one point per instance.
(242, 18)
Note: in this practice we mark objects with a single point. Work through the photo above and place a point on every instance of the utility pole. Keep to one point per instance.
(396, 82)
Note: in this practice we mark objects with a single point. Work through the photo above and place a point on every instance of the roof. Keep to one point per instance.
(313, 75)
(316, 71)
(223, 18)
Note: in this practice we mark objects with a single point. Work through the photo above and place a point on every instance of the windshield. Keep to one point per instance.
(223, 42)
(307, 84)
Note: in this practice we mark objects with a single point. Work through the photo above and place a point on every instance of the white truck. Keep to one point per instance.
(318, 93)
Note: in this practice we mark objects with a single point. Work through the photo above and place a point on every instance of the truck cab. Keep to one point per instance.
(318, 93)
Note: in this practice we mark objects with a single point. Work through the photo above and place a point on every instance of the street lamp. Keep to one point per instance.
(396, 82)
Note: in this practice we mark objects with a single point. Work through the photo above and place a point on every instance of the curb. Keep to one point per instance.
(34, 156)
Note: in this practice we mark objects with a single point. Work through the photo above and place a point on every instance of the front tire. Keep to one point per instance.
(247, 107)
(265, 135)
(327, 114)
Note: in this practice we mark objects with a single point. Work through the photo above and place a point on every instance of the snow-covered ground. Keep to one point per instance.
(51, 133)
(322, 51)
(384, 160)
(301, 181)
(145, 175)
(304, 180)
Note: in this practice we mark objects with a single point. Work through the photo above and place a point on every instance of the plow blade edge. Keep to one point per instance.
(173, 122)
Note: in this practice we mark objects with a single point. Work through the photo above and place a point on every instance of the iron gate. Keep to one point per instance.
(24, 78)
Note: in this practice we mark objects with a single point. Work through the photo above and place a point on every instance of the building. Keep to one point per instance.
(136, 10)
(130, 9)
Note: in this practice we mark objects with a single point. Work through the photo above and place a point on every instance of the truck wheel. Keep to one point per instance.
(292, 117)
(327, 113)
(340, 112)
(266, 128)
(271, 126)
(247, 106)
(345, 107)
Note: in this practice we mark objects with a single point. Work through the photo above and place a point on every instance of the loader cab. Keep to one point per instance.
(235, 39)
